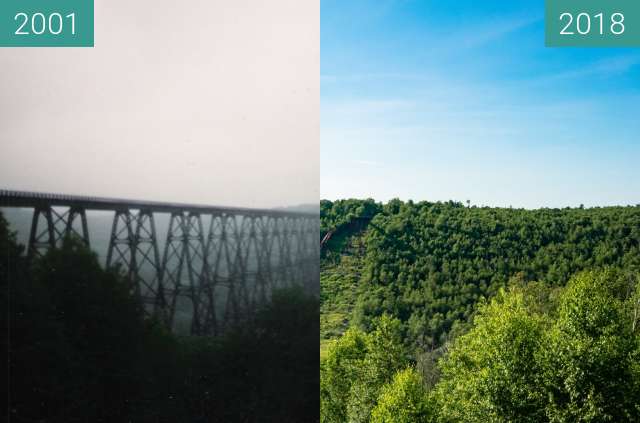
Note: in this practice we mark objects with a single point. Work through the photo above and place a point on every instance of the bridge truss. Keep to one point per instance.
(216, 267)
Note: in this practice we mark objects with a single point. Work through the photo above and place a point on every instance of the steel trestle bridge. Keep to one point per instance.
(217, 266)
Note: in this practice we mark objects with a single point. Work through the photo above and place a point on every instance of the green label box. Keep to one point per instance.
(592, 23)
(46, 23)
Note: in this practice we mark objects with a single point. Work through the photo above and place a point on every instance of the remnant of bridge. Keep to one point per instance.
(218, 263)
(357, 223)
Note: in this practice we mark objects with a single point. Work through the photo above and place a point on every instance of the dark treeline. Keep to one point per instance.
(80, 351)
(469, 314)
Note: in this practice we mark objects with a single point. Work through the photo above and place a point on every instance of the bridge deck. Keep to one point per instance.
(28, 199)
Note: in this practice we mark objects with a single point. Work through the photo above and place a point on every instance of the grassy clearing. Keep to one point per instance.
(340, 274)
(324, 347)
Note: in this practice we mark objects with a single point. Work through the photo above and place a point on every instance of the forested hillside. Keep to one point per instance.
(450, 313)
(428, 264)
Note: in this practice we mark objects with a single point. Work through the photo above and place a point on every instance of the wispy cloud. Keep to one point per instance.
(377, 76)
(370, 163)
(492, 30)
(474, 36)
(367, 106)
(604, 68)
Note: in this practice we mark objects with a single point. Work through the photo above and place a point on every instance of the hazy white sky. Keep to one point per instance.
(208, 101)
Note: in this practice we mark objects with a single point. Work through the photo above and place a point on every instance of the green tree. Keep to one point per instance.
(404, 400)
(385, 355)
(589, 360)
(490, 374)
(338, 371)
(356, 367)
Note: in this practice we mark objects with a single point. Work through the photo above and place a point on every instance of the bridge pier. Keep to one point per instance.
(185, 246)
(56, 227)
(121, 242)
(148, 267)
(284, 253)
(231, 273)
(133, 244)
(263, 249)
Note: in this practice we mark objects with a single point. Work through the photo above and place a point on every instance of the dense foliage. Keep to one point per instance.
(429, 263)
(356, 369)
(498, 314)
(578, 363)
(338, 213)
(80, 350)
(533, 354)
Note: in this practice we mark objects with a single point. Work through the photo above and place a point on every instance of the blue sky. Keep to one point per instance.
(429, 100)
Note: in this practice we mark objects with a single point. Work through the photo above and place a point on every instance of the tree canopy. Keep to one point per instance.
(500, 314)
(528, 357)
(429, 264)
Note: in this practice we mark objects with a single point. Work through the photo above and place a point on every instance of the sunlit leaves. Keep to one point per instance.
(403, 400)
(356, 367)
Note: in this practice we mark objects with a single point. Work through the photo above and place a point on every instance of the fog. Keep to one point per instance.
(213, 102)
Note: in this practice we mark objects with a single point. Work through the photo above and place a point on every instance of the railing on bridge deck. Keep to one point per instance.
(215, 274)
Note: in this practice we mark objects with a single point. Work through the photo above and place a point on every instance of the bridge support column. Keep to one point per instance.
(234, 271)
(309, 254)
(285, 278)
(148, 268)
(236, 244)
(263, 248)
(121, 243)
(133, 244)
(49, 228)
(185, 246)
(216, 260)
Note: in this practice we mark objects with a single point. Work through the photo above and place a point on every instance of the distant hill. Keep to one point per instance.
(304, 208)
